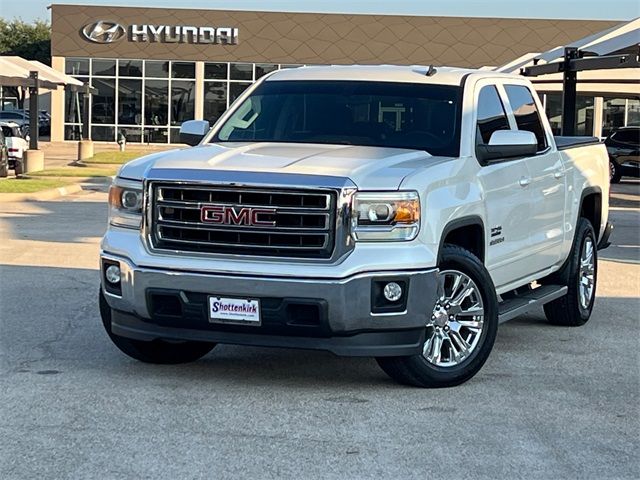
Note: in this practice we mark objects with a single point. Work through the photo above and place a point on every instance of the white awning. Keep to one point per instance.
(15, 71)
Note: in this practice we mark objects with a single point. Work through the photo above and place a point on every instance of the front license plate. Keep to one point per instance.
(234, 310)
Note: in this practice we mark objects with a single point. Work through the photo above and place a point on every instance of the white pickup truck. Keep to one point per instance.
(400, 213)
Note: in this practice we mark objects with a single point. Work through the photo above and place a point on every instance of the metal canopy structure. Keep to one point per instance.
(617, 47)
(31, 74)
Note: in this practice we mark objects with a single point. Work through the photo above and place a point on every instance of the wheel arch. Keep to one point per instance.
(466, 232)
(591, 207)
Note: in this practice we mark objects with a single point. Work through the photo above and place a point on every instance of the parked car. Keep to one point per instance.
(17, 116)
(17, 144)
(21, 117)
(623, 146)
(393, 212)
(4, 156)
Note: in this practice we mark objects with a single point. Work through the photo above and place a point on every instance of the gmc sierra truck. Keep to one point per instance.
(400, 213)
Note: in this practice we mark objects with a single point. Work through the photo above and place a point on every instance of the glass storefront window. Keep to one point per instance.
(73, 102)
(216, 71)
(215, 100)
(72, 132)
(148, 99)
(103, 68)
(263, 68)
(156, 69)
(241, 71)
(554, 112)
(130, 102)
(156, 102)
(182, 101)
(131, 134)
(103, 134)
(584, 115)
(633, 112)
(103, 103)
(76, 66)
(236, 89)
(183, 70)
(174, 135)
(130, 68)
(156, 135)
(612, 114)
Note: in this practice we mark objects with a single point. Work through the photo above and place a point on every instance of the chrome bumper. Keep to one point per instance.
(348, 301)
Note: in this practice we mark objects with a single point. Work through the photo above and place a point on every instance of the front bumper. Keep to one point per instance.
(343, 319)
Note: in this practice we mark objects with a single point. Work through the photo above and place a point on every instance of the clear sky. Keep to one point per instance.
(30, 10)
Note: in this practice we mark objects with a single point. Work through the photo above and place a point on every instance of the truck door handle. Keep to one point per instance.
(558, 174)
(525, 181)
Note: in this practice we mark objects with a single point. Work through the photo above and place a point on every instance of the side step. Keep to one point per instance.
(516, 306)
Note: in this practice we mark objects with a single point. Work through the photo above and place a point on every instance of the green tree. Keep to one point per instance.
(27, 40)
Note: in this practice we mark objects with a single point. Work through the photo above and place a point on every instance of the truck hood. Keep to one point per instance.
(368, 167)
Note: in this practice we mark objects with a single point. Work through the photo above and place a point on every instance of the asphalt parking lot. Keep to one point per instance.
(551, 402)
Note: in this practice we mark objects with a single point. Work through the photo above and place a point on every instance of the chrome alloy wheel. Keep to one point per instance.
(586, 283)
(455, 327)
(612, 170)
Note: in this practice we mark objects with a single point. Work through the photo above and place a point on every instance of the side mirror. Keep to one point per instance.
(192, 131)
(505, 144)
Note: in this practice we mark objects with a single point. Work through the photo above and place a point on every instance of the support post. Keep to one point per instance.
(86, 100)
(33, 110)
(85, 145)
(569, 92)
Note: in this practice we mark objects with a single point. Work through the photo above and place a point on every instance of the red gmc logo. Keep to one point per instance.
(229, 215)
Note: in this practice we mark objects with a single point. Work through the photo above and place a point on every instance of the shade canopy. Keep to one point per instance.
(16, 71)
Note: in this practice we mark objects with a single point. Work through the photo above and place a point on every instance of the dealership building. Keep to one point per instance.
(154, 68)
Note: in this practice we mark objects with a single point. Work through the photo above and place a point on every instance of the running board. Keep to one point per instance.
(516, 306)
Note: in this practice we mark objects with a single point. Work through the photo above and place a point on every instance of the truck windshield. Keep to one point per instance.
(383, 114)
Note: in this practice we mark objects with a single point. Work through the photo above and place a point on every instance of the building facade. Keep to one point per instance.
(155, 68)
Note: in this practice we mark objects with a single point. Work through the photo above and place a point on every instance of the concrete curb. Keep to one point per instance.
(52, 193)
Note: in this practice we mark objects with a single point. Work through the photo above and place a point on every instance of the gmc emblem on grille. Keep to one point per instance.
(229, 215)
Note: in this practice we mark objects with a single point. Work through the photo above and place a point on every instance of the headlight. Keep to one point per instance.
(125, 204)
(385, 216)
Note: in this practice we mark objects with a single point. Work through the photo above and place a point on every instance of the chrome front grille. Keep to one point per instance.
(243, 221)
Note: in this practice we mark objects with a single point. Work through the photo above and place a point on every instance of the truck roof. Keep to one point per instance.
(383, 73)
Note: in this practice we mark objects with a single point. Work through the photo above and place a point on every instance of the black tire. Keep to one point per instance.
(157, 351)
(568, 310)
(4, 169)
(418, 371)
(615, 173)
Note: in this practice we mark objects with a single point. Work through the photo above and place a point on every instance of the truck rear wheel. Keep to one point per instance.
(460, 334)
(156, 351)
(579, 274)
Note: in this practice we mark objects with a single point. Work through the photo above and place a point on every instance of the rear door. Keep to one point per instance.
(507, 196)
(548, 184)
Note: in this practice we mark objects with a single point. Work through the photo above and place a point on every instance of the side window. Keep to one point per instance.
(491, 114)
(526, 113)
(631, 136)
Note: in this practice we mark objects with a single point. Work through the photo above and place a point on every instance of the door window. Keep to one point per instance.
(491, 115)
(630, 136)
(526, 112)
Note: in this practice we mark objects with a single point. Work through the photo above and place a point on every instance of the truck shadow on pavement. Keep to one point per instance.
(50, 324)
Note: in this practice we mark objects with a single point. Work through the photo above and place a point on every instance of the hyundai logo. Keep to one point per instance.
(104, 32)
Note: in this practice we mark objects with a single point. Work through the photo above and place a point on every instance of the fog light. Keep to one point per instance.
(392, 291)
(112, 274)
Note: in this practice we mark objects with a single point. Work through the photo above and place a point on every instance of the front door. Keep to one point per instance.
(508, 198)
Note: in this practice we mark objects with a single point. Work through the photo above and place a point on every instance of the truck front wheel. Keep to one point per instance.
(156, 351)
(462, 328)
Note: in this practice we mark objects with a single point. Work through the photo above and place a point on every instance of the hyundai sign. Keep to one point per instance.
(104, 31)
